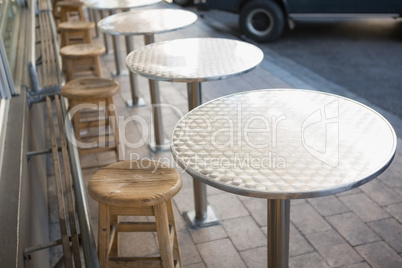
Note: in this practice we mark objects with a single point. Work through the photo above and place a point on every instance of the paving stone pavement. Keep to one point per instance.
(355, 229)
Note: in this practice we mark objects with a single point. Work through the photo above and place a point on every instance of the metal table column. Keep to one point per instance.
(136, 100)
(160, 143)
(105, 37)
(278, 233)
(203, 214)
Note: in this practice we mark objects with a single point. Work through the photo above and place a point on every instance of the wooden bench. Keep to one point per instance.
(70, 191)
(45, 69)
(71, 194)
(63, 185)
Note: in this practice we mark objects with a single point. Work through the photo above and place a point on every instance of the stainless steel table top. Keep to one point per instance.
(118, 4)
(283, 143)
(150, 21)
(194, 59)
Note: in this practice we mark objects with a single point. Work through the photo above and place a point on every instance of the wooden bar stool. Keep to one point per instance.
(65, 9)
(136, 188)
(81, 58)
(75, 32)
(95, 132)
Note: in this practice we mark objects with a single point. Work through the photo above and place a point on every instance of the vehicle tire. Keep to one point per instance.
(183, 3)
(262, 21)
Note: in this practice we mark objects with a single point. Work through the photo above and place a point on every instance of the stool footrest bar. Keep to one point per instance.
(144, 211)
(136, 227)
(134, 262)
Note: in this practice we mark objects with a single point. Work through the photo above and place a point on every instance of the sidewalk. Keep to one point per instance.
(359, 228)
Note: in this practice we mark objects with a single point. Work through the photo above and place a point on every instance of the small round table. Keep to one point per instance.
(118, 4)
(147, 23)
(283, 144)
(193, 60)
(111, 7)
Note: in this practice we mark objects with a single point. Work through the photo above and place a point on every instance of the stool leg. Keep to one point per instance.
(69, 69)
(114, 124)
(76, 125)
(87, 37)
(63, 15)
(162, 229)
(64, 38)
(103, 234)
(81, 14)
(97, 67)
(176, 250)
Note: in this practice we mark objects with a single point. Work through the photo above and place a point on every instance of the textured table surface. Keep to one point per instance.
(118, 4)
(194, 59)
(150, 21)
(283, 143)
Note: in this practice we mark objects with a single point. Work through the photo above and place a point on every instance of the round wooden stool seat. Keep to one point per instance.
(75, 32)
(82, 50)
(71, 4)
(135, 184)
(90, 88)
(76, 25)
(136, 188)
(81, 58)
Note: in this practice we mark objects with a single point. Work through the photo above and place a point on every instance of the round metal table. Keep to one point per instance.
(118, 4)
(193, 61)
(110, 7)
(283, 144)
(147, 23)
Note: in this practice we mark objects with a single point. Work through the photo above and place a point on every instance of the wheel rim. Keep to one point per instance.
(260, 22)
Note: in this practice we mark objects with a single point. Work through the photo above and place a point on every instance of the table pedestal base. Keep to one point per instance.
(119, 73)
(211, 218)
(203, 215)
(278, 233)
(155, 148)
(138, 103)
